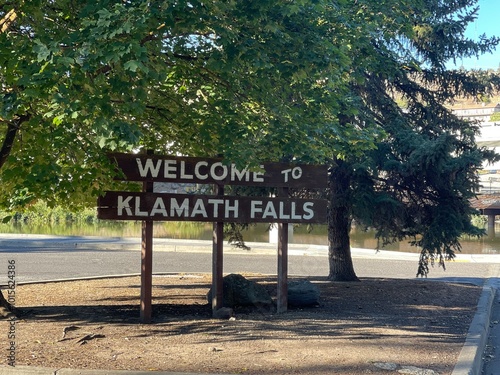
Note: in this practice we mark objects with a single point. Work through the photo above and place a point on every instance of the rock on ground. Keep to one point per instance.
(303, 293)
(239, 291)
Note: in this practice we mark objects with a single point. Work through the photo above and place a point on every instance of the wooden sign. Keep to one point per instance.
(209, 208)
(148, 207)
(215, 171)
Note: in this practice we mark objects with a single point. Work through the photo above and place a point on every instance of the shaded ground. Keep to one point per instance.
(359, 328)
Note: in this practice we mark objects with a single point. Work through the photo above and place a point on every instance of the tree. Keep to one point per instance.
(312, 80)
(248, 80)
(495, 117)
(416, 184)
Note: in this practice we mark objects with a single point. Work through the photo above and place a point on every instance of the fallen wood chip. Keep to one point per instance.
(89, 337)
(69, 328)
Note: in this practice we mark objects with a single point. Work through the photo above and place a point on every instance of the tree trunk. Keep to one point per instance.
(5, 307)
(9, 138)
(339, 225)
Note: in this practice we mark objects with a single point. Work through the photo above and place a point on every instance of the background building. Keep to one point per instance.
(489, 137)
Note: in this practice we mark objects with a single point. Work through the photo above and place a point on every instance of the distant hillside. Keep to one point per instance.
(471, 103)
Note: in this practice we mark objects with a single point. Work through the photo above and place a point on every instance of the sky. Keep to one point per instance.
(487, 23)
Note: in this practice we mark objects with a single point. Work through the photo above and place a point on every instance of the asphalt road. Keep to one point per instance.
(39, 258)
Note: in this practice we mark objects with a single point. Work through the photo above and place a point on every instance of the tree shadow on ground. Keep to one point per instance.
(441, 311)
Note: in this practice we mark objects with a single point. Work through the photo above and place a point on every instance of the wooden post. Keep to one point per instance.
(146, 262)
(282, 294)
(491, 226)
(217, 261)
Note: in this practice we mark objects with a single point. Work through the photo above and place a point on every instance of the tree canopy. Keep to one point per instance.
(359, 84)
(247, 80)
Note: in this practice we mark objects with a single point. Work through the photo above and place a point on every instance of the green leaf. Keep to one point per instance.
(132, 65)
(42, 51)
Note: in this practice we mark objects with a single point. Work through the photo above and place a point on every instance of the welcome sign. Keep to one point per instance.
(190, 207)
(215, 171)
(148, 206)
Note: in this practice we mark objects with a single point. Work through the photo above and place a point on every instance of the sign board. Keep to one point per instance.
(148, 207)
(215, 171)
(209, 208)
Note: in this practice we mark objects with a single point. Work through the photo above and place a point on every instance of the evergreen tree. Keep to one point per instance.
(416, 184)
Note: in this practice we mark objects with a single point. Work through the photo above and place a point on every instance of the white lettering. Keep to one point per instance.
(308, 210)
(285, 172)
(259, 176)
(199, 209)
(221, 208)
(159, 208)
(216, 203)
(269, 211)
(240, 175)
(124, 204)
(138, 211)
(294, 214)
(233, 209)
(184, 175)
(282, 211)
(255, 207)
(296, 173)
(213, 173)
(197, 170)
(169, 168)
(182, 210)
(148, 167)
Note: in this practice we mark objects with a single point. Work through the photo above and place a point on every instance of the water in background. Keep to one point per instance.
(317, 235)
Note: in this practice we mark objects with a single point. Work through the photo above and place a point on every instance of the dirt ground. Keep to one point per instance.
(376, 326)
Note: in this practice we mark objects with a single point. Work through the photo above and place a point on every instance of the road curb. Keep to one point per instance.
(27, 370)
(470, 359)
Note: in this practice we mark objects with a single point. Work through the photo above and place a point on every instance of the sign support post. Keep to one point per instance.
(217, 260)
(146, 262)
(146, 270)
(282, 290)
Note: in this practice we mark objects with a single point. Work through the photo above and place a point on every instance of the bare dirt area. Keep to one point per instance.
(376, 326)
